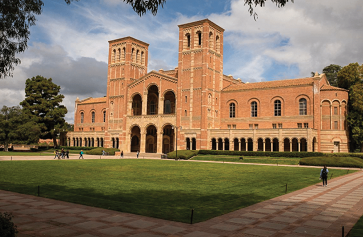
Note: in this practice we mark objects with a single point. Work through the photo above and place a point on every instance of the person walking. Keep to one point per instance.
(81, 155)
(122, 154)
(137, 154)
(67, 154)
(55, 154)
(324, 175)
(63, 153)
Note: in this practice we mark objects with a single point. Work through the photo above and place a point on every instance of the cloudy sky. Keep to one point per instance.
(70, 42)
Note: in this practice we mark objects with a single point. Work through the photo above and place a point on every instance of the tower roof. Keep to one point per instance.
(195, 23)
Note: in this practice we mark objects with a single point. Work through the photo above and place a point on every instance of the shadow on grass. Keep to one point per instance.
(174, 206)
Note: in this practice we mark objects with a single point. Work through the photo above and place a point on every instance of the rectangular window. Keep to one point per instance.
(306, 125)
(251, 126)
(104, 116)
(335, 110)
(274, 126)
(280, 125)
(229, 126)
(299, 125)
(234, 126)
(186, 99)
(335, 125)
(256, 126)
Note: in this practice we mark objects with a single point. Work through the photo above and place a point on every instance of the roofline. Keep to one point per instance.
(150, 73)
(128, 38)
(200, 22)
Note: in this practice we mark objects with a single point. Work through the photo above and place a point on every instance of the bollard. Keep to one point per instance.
(191, 217)
(38, 190)
(286, 189)
(343, 231)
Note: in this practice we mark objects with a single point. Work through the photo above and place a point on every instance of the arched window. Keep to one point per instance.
(93, 117)
(123, 53)
(185, 113)
(199, 37)
(211, 46)
(142, 58)
(254, 109)
(167, 107)
(277, 108)
(137, 56)
(302, 107)
(218, 45)
(82, 117)
(232, 110)
(114, 56)
(104, 116)
(119, 55)
(132, 54)
(188, 40)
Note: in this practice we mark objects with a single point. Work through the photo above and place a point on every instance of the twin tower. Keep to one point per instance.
(196, 85)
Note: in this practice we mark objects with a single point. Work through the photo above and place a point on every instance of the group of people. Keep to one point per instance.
(61, 154)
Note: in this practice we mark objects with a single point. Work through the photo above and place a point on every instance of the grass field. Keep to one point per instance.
(357, 230)
(249, 159)
(162, 189)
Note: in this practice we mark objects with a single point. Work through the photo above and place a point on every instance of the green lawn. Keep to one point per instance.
(249, 159)
(162, 189)
(25, 153)
(357, 230)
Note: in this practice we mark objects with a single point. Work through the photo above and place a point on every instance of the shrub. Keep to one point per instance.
(98, 151)
(333, 161)
(182, 154)
(7, 227)
(77, 148)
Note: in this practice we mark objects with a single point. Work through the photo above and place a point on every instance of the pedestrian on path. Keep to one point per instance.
(55, 154)
(324, 175)
(67, 154)
(81, 155)
(137, 154)
(103, 152)
(122, 154)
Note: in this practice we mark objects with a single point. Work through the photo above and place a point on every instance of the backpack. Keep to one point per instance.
(324, 173)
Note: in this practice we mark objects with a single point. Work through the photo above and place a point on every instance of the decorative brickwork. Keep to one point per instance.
(204, 109)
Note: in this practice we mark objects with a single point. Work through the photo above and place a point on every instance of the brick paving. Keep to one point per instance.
(312, 211)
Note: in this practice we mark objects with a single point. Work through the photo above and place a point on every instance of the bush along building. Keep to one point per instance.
(197, 107)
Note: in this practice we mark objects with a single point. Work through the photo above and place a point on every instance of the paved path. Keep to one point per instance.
(312, 211)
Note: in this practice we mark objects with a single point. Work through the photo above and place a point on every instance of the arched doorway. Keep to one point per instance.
(117, 143)
(295, 145)
(152, 100)
(137, 105)
(250, 144)
(243, 144)
(113, 143)
(169, 103)
(214, 144)
(275, 146)
(220, 144)
(314, 142)
(194, 144)
(135, 139)
(286, 144)
(151, 139)
(260, 144)
(236, 144)
(168, 139)
(80, 142)
(187, 141)
(92, 142)
(303, 144)
(267, 144)
(101, 142)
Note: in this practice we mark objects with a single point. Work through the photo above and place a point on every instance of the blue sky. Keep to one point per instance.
(69, 43)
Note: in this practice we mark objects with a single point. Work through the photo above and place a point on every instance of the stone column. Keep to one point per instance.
(264, 145)
(290, 143)
(161, 105)
(298, 145)
(160, 142)
(144, 104)
(142, 141)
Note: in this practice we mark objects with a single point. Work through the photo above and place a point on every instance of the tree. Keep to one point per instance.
(351, 78)
(17, 127)
(331, 73)
(16, 17)
(42, 103)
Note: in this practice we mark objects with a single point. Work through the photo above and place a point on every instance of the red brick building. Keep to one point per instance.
(201, 108)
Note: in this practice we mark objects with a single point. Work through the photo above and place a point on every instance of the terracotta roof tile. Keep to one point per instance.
(331, 88)
(270, 84)
(91, 100)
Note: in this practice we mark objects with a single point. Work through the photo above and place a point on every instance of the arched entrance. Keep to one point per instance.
(286, 144)
(243, 144)
(214, 144)
(188, 143)
(236, 144)
(295, 145)
(136, 105)
(303, 144)
(260, 144)
(168, 139)
(314, 142)
(194, 144)
(135, 139)
(169, 103)
(267, 144)
(152, 100)
(250, 144)
(275, 146)
(151, 139)
(220, 144)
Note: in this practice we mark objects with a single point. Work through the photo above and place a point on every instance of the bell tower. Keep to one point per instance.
(127, 62)
(200, 78)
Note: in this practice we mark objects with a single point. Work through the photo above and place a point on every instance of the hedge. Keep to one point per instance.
(77, 148)
(261, 153)
(333, 161)
(98, 151)
(182, 154)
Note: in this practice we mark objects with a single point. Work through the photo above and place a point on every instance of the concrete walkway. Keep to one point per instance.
(312, 211)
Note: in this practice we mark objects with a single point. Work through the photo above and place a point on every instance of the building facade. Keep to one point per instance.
(195, 106)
